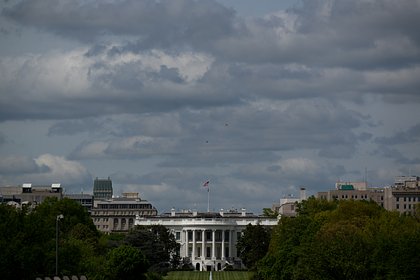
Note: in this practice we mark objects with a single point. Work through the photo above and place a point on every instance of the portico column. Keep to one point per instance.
(186, 243)
(223, 244)
(203, 244)
(213, 244)
(193, 245)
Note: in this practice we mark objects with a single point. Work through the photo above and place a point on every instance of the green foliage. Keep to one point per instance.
(157, 244)
(253, 244)
(126, 262)
(27, 239)
(204, 275)
(270, 213)
(343, 240)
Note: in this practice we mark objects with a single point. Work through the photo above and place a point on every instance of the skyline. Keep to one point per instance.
(259, 99)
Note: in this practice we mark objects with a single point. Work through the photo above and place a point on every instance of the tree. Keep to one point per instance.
(157, 243)
(343, 240)
(28, 238)
(126, 262)
(268, 212)
(253, 244)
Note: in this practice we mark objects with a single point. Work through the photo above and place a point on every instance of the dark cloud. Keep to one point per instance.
(157, 23)
(217, 137)
(411, 135)
(175, 92)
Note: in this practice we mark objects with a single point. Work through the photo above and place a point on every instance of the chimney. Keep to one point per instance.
(173, 212)
(221, 212)
(243, 212)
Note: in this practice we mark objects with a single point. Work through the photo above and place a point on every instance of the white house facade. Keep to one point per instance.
(208, 240)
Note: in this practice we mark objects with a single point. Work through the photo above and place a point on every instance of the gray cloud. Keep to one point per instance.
(227, 135)
(161, 95)
(157, 23)
(21, 164)
(411, 135)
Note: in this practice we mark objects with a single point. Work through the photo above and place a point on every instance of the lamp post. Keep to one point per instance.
(59, 217)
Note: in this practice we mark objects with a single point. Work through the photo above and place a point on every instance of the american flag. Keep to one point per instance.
(206, 184)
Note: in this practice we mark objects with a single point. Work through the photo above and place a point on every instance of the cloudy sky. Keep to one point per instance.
(258, 97)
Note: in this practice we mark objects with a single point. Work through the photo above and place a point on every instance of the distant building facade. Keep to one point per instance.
(86, 200)
(287, 205)
(207, 240)
(119, 213)
(29, 193)
(102, 188)
(403, 196)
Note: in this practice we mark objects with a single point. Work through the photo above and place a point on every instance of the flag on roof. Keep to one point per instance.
(206, 184)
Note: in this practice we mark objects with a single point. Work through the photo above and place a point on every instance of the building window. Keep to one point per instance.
(208, 255)
(189, 235)
(208, 235)
(178, 235)
(218, 235)
(398, 199)
(227, 235)
(398, 206)
(227, 252)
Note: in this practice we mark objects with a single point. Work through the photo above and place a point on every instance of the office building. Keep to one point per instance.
(102, 188)
(118, 214)
(287, 205)
(403, 196)
(29, 193)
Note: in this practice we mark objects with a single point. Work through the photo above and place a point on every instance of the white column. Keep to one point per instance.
(203, 244)
(186, 243)
(223, 244)
(193, 245)
(213, 244)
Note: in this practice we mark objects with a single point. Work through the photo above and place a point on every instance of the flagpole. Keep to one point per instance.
(208, 199)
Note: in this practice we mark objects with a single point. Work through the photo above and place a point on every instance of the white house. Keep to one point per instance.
(207, 239)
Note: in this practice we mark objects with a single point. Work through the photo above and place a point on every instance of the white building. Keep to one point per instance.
(287, 205)
(207, 240)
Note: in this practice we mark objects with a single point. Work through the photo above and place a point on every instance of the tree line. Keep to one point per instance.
(335, 240)
(28, 245)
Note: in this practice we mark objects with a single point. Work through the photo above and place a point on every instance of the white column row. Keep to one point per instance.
(203, 244)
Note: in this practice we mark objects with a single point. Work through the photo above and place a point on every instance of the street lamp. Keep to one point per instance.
(59, 217)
